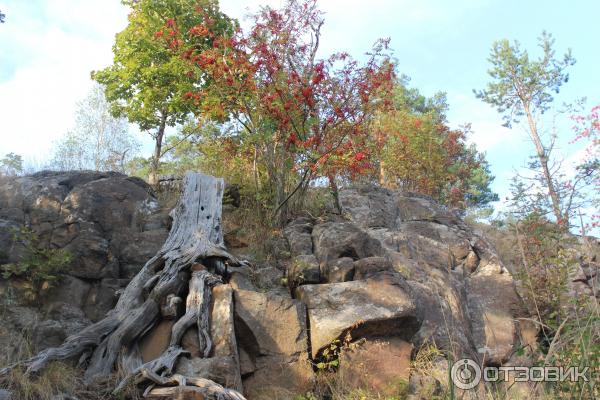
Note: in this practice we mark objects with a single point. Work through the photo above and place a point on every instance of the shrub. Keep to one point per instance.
(39, 267)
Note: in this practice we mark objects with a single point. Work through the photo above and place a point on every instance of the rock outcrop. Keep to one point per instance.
(109, 223)
(394, 274)
(401, 269)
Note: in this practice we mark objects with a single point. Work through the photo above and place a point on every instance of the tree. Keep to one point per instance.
(416, 151)
(2, 17)
(99, 141)
(11, 164)
(522, 87)
(306, 117)
(148, 78)
(587, 128)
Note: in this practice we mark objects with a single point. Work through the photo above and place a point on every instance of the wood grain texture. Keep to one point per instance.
(196, 237)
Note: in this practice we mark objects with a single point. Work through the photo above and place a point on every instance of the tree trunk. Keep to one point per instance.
(543, 158)
(158, 140)
(335, 192)
(195, 240)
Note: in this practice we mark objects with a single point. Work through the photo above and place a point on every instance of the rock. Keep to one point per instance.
(366, 308)
(333, 240)
(371, 266)
(493, 307)
(241, 279)
(156, 341)
(268, 277)
(298, 235)
(304, 270)
(271, 333)
(429, 381)
(135, 248)
(219, 369)
(445, 314)
(444, 262)
(109, 223)
(340, 270)
(70, 290)
(102, 297)
(471, 262)
(370, 206)
(222, 329)
(61, 321)
(223, 365)
(391, 356)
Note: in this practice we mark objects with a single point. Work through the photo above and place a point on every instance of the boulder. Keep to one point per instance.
(390, 377)
(156, 341)
(333, 240)
(466, 297)
(298, 235)
(494, 306)
(273, 346)
(303, 270)
(60, 321)
(223, 370)
(102, 297)
(366, 308)
(339, 270)
(371, 266)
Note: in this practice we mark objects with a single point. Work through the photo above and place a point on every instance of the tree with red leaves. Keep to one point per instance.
(417, 152)
(306, 117)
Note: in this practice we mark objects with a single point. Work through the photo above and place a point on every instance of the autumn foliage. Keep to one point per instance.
(299, 117)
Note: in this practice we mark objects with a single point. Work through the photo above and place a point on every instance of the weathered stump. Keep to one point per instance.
(195, 239)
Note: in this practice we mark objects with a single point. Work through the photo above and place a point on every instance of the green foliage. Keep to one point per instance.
(330, 356)
(418, 152)
(148, 78)
(39, 267)
(520, 84)
(11, 164)
(578, 345)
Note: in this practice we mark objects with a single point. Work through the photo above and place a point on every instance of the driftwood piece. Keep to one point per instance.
(195, 237)
(197, 310)
(179, 385)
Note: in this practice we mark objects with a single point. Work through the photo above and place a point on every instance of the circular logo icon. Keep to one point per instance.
(465, 374)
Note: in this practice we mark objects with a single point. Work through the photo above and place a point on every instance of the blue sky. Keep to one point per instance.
(49, 47)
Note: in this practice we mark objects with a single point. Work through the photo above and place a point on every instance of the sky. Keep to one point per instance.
(49, 47)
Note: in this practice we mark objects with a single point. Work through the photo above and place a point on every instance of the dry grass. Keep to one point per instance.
(332, 386)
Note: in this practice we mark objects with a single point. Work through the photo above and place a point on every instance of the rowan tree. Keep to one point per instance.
(523, 87)
(416, 151)
(148, 78)
(305, 116)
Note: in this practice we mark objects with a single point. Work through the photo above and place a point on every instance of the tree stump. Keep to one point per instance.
(189, 264)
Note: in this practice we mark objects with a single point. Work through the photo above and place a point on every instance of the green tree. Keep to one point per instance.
(2, 16)
(11, 164)
(150, 75)
(524, 87)
(416, 151)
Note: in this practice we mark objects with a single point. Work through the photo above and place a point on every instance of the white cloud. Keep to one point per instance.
(49, 50)
(486, 123)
